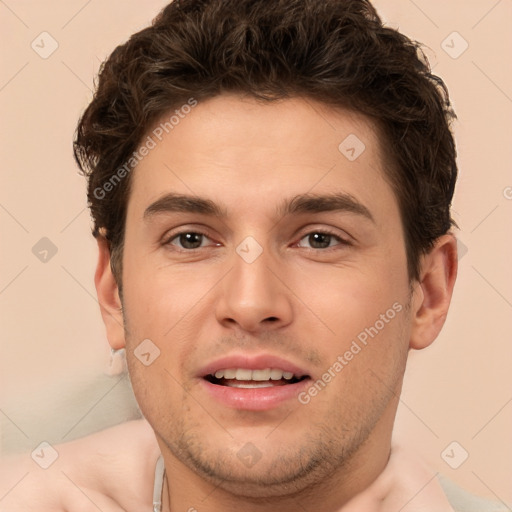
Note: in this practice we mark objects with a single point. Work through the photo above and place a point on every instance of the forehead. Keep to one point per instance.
(231, 147)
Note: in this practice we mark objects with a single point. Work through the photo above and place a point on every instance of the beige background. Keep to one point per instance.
(54, 353)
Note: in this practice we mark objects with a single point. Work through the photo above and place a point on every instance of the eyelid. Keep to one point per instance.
(169, 236)
(343, 239)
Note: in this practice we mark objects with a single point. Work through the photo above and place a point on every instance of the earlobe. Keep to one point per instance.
(108, 296)
(433, 293)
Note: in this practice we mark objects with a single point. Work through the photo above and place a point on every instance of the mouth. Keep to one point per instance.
(244, 378)
(254, 383)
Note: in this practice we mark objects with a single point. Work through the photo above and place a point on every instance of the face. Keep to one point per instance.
(264, 259)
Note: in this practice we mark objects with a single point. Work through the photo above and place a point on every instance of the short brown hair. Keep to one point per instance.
(337, 52)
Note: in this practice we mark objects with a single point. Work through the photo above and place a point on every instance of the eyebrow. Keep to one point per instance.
(316, 203)
(183, 203)
(303, 203)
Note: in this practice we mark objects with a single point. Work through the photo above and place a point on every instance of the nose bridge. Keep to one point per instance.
(252, 296)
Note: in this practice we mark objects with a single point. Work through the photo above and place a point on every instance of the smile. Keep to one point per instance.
(253, 379)
(253, 382)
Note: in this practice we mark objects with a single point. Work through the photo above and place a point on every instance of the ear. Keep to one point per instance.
(108, 296)
(433, 292)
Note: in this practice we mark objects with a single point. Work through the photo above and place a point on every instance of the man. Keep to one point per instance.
(270, 184)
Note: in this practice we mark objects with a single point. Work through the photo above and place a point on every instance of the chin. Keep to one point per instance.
(273, 479)
(274, 471)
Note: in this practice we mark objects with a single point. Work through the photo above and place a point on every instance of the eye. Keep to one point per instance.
(188, 240)
(321, 240)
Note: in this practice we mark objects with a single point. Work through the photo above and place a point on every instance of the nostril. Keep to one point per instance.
(271, 319)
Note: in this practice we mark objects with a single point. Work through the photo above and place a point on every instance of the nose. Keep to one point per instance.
(254, 297)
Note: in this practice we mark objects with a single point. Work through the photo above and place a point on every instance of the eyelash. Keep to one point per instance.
(341, 241)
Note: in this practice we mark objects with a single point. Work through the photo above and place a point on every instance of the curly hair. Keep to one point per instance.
(337, 52)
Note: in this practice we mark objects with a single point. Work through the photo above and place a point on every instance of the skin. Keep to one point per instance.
(113, 471)
(303, 303)
(300, 302)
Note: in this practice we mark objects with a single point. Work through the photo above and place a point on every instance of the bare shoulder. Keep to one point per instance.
(111, 470)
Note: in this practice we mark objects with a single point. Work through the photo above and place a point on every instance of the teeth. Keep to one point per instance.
(255, 375)
(242, 374)
(261, 374)
(236, 384)
(276, 374)
(230, 374)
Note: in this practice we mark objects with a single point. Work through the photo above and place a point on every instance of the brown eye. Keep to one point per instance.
(188, 240)
(320, 240)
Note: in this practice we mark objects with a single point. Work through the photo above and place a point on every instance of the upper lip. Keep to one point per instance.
(252, 362)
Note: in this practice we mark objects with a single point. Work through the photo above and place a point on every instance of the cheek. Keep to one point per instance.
(348, 300)
(171, 308)
(158, 296)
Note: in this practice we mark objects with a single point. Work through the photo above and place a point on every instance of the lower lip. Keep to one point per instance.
(254, 399)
